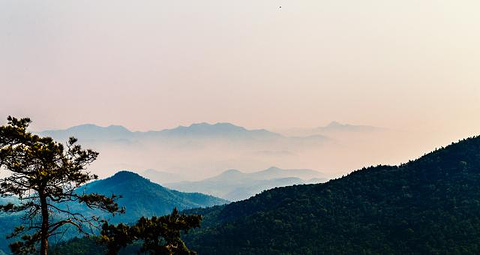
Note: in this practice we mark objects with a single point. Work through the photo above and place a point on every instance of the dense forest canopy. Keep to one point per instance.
(426, 206)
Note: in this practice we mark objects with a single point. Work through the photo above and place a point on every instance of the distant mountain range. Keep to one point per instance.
(340, 127)
(225, 130)
(209, 148)
(332, 129)
(90, 132)
(235, 185)
(218, 130)
(198, 130)
(191, 152)
(161, 177)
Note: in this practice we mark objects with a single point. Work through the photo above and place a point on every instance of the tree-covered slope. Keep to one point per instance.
(427, 206)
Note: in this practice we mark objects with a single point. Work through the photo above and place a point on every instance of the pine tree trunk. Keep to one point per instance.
(44, 234)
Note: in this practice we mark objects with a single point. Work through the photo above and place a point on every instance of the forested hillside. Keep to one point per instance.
(426, 206)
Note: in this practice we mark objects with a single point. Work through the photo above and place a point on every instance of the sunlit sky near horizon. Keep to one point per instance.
(150, 65)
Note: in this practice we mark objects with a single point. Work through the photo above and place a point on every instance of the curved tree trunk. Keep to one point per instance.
(44, 234)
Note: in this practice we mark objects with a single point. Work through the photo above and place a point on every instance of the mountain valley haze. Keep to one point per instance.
(246, 127)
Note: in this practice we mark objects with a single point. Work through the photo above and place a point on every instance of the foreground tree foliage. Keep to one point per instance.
(43, 176)
(160, 235)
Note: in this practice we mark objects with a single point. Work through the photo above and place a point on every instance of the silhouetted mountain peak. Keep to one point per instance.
(84, 126)
(126, 175)
(231, 172)
(206, 129)
(93, 127)
(118, 128)
(336, 124)
(273, 169)
(91, 132)
(124, 179)
(141, 197)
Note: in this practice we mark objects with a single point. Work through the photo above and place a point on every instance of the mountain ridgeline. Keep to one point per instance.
(426, 206)
(91, 132)
(209, 148)
(141, 197)
(235, 185)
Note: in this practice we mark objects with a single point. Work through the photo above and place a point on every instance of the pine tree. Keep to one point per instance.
(44, 175)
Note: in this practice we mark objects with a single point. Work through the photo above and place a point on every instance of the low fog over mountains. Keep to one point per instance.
(235, 185)
(204, 150)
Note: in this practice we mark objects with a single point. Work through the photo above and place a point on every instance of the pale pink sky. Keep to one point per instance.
(156, 64)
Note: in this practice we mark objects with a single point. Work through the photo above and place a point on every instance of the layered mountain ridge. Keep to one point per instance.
(235, 185)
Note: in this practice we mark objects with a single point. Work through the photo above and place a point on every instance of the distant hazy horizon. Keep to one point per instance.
(158, 64)
(198, 151)
(411, 66)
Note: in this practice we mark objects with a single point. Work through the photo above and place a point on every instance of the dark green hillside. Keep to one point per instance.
(427, 206)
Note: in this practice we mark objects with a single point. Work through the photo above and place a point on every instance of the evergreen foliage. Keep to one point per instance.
(43, 176)
(159, 235)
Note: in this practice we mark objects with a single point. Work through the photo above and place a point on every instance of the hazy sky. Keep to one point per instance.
(150, 65)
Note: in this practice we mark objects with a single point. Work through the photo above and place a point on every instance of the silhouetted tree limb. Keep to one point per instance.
(160, 235)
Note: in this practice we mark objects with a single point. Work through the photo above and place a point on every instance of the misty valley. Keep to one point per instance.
(427, 205)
